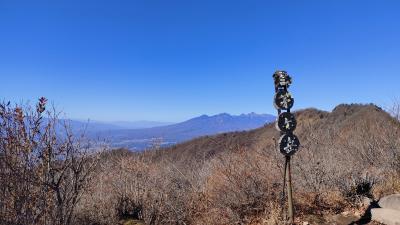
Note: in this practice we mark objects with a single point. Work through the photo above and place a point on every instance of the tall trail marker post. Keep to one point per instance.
(286, 123)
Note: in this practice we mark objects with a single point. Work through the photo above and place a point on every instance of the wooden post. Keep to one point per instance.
(289, 192)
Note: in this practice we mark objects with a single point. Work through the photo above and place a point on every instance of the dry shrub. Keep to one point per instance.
(44, 169)
(236, 188)
(319, 203)
(133, 186)
(391, 185)
(241, 188)
(346, 156)
(351, 159)
(117, 191)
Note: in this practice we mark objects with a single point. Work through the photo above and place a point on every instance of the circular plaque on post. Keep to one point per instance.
(282, 79)
(286, 122)
(283, 100)
(289, 144)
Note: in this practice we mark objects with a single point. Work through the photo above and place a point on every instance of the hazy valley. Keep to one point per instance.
(170, 134)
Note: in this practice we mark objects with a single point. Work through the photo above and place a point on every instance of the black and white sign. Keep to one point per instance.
(283, 100)
(286, 122)
(282, 79)
(289, 144)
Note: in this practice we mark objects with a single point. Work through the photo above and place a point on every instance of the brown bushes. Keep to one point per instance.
(242, 188)
(235, 179)
(241, 184)
(43, 168)
(235, 188)
(352, 157)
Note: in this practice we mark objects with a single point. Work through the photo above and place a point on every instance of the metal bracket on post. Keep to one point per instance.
(286, 123)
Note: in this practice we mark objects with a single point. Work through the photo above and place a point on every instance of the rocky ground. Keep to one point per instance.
(385, 211)
(388, 211)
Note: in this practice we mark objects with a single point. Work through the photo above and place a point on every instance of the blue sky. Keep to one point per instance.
(172, 60)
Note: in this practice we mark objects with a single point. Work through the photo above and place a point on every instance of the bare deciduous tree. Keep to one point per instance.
(44, 169)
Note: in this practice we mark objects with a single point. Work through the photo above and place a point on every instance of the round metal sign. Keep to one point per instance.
(283, 100)
(289, 144)
(286, 122)
(282, 79)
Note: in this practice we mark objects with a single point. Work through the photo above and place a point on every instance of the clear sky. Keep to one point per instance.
(169, 60)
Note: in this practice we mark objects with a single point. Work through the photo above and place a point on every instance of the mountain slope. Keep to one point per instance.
(349, 153)
(315, 129)
(196, 127)
(346, 154)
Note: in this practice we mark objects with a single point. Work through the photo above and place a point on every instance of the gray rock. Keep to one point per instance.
(386, 216)
(390, 202)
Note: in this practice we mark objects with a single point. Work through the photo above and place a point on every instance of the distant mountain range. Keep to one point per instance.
(97, 126)
(119, 135)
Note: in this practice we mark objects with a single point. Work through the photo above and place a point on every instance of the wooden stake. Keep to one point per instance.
(289, 192)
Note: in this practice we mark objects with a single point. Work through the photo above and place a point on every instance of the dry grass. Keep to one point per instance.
(391, 185)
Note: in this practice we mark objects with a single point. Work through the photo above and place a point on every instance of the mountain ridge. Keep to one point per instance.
(344, 119)
(138, 139)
